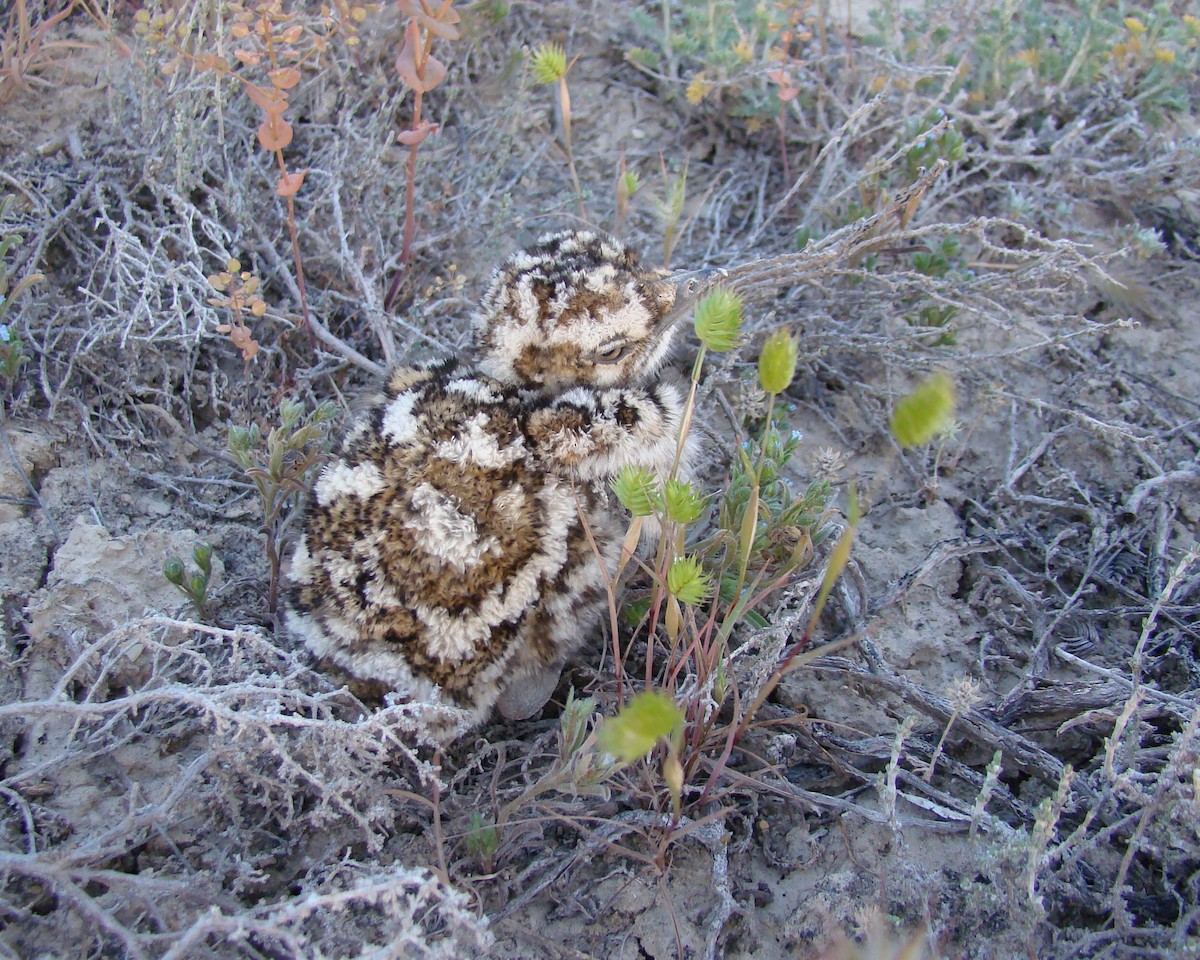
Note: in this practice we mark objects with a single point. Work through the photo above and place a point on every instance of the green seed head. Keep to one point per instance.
(777, 362)
(202, 554)
(549, 63)
(687, 582)
(637, 490)
(173, 571)
(718, 319)
(925, 412)
(633, 732)
(684, 503)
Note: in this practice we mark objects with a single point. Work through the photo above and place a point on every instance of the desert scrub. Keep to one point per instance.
(270, 47)
(265, 49)
(1147, 55)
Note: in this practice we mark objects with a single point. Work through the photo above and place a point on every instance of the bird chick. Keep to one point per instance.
(458, 548)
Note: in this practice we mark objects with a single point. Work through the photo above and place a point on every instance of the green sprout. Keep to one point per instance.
(195, 586)
(282, 471)
(483, 838)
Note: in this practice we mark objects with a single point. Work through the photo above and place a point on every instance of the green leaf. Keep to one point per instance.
(924, 413)
(483, 838)
(633, 732)
(575, 718)
(718, 319)
(637, 490)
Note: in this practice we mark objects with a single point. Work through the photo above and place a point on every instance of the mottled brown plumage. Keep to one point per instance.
(445, 552)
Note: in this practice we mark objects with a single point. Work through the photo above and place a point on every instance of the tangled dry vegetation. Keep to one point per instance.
(260, 205)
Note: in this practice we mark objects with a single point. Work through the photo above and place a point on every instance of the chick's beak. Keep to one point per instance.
(691, 286)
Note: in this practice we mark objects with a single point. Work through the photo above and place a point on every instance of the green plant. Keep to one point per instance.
(281, 471)
(12, 348)
(195, 586)
(934, 140)
(765, 534)
(581, 768)
(941, 259)
(1147, 54)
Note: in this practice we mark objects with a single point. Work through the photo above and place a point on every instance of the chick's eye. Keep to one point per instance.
(612, 354)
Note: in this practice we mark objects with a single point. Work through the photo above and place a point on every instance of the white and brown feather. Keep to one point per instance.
(446, 552)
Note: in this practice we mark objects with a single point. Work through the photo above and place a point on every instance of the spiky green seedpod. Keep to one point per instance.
(718, 319)
(684, 503)
(687, 581)
(925, 412)
(777, 362)
(549, 63)
(637, 490)
(633, 732)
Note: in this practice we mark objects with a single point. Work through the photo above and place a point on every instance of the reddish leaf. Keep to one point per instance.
(244, 341)
(435, 73)
(284, 78)
(406, 64)
(289, 183)
(429, 74)
(439, 26)
(412, 137)
(275, 133)
(271, 101)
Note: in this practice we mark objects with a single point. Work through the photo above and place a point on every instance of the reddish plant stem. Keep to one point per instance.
(410, 223)
(292, 232)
